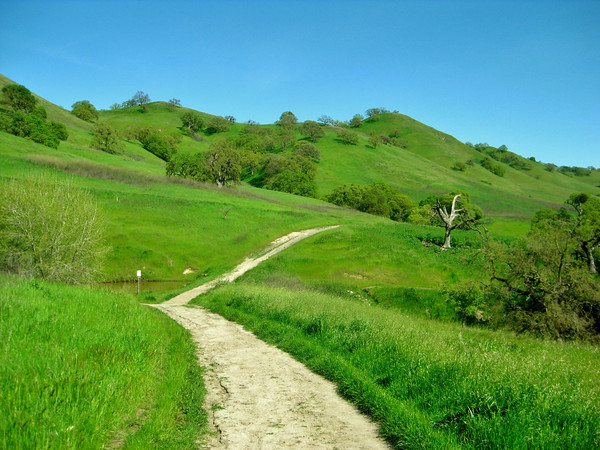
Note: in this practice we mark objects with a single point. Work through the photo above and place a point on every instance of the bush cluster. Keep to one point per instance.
(379, 199)
(26, 120)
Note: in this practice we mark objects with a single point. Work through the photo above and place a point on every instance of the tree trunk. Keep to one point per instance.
(447, 238)
(589, 253)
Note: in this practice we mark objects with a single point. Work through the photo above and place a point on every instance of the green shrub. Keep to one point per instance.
(50, 230)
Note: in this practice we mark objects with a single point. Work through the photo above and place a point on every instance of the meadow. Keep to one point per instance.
(428, 383)
(82, 367)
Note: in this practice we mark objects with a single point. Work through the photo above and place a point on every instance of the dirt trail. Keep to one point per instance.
(258, 396)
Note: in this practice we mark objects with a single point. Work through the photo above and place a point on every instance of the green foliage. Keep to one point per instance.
(378, 199)
(156, 142)
(50, 230)
(217, 125)
(188, 166)
(312, 129)
(347, 137)
(286, 137)
(576, 171)
(469, 302)
(106, 138)
(192, 122)
(296, 183)
(257, 139)
(85, 111)
(503, 155)
(496, 169)
(85, 368)
(288, 172)
(19, 98)
(460, 166)
(223, 164)
(544, 282)
(35, 128)
(287, 119)
(307, 150)
(356, 121)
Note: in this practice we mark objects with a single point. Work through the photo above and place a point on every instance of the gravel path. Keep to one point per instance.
(258, 396)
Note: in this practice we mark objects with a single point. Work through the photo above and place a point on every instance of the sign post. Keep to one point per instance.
(139, 277)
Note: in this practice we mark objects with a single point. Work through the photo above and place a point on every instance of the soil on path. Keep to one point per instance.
(258, 396)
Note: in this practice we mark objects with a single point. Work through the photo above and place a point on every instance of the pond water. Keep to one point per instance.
(131, 287)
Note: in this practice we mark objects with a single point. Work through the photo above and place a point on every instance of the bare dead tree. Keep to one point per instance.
(450, 218)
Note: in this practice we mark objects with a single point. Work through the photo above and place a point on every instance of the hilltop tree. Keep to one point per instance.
(140, 98)
(174, 103)
(85, 111)
(326, 120)
(287, 119)
(356, 121)
(19, 98)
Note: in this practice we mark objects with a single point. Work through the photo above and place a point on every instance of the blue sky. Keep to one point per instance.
(520, 73)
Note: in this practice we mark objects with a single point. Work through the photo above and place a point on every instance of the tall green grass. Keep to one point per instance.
(430, 384)
(83, 368)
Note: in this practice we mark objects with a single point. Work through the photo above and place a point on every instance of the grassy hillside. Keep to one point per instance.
(331, 292)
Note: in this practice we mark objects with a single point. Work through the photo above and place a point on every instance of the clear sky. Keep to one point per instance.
(520, 73)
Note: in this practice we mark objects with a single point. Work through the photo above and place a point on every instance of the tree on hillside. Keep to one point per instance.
(587, 227)
(174, 103)
(453, 210)
(374, 139)
(19, 98)
(106, 138)
(223, 163)
(347, 137)
(192, 122)
(84, 110)
(356, 121)
(545, 287)
(286, 137)
(217, 124)
(307, 150)
(312, 129)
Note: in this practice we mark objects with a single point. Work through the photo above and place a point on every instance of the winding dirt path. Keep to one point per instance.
(258, 396)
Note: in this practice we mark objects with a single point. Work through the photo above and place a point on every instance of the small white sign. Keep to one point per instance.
(139, 273)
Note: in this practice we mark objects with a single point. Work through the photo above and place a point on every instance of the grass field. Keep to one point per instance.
(430, 384)
(86, 368)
